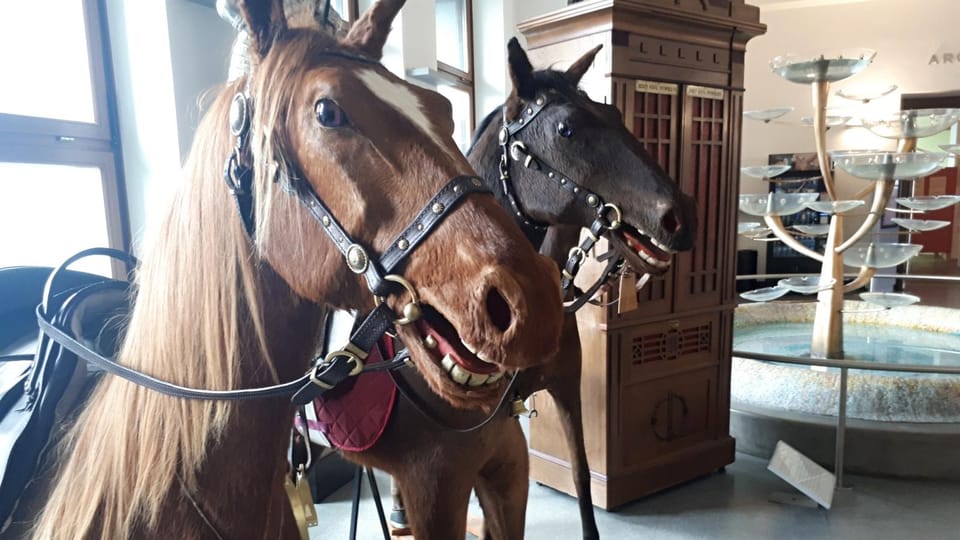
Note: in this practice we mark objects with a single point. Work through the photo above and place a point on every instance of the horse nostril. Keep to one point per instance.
(499, 310)
(670, 222)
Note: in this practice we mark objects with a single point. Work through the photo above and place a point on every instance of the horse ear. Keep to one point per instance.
(369, 33)
(521, 71)
(576, 70)
(264, 20)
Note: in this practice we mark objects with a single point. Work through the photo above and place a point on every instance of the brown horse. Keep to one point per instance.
(219, 309)
(583, 144)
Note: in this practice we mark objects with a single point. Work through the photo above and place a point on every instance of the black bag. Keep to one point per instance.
(38, 395)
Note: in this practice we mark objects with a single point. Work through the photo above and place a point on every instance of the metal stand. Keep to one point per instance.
(355, 509)
(841, 430)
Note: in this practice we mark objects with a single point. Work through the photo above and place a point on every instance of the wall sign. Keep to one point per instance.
(944, 58)
(655, 87)
(704, 92)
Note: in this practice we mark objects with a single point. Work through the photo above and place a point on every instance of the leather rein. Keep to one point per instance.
(338, 365)
(606, 216)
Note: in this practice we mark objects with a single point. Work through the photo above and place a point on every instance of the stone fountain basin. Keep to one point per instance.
(901, 424)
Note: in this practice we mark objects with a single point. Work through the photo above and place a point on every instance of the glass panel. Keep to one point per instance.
(462, 112)
(45, 64)
(50, 212)
(452, 33)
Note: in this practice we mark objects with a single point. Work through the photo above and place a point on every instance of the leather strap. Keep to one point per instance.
(421, 407)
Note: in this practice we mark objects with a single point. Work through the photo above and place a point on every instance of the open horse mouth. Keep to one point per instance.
(462, 362)
(651, 256)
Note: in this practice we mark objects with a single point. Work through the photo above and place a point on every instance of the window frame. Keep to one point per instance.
(458, 78)
(49, 141)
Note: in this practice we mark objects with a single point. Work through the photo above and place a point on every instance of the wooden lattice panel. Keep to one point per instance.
(702, 172)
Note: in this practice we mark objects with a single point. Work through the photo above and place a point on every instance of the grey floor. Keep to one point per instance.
(731, 505)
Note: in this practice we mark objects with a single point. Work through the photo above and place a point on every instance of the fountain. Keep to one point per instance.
(896, 411)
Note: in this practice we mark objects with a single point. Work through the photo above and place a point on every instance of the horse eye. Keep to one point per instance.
(564, 129)
(329, 114)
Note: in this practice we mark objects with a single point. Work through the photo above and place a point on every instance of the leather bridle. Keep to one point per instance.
(379, 273)
(606, 216)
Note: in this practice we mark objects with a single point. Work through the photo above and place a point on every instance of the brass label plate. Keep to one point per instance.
(656, 87)
(704, 92)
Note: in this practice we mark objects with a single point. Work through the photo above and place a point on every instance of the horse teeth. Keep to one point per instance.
(448, 363)
(494, 377)
(459, 375)
(471, 348)
(476, 379)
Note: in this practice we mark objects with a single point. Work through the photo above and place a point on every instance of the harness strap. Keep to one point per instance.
(421, 407)
(278, 390)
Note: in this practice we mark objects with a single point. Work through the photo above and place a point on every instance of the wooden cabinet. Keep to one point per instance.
(656, 380)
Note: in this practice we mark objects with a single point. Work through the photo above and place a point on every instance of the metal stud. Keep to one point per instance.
(403, 243)
(563, 181)
(550, 174)
(592, 200)
(540, 100)
(476, 181)
(437, 208)
(325, 220)
(357, 259)
(520, 120)
(419, 226)
(576, 190)
(340, 239)
(529, 111)
(457, 189)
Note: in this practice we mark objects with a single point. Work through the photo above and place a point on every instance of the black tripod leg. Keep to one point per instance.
(355, 511)
(376, 500)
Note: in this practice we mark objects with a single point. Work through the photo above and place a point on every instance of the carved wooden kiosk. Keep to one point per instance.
(656, 384)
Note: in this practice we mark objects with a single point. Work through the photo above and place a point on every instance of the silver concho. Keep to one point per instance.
(357, 259)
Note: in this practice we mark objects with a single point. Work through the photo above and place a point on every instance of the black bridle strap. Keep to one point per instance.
(613, 263)
(410, 395)
(357, 256)
(170, 389)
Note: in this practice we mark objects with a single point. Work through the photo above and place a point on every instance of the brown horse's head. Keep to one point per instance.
(586, 142)
(375, 149)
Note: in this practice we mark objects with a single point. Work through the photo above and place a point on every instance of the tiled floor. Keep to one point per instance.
(732, 505)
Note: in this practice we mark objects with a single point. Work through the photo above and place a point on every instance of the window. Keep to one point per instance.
(59, 187)
(455, 64)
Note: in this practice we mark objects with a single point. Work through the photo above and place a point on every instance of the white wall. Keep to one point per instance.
(200, 54)
(906, 36)
(146, 106)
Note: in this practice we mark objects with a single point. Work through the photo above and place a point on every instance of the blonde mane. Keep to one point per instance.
(198, 295)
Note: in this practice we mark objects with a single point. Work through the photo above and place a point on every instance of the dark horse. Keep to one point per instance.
(574, 162)
(221, 305)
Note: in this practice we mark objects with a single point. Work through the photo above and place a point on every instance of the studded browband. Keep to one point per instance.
(517, 151)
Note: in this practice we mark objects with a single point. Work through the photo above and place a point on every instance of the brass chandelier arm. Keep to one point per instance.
(865, 275)
(821, 90)
(776, 225)
(881, 195)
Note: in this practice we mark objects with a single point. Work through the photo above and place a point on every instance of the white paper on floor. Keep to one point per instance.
(803, 473)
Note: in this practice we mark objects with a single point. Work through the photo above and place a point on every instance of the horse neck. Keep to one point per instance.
(246, 464)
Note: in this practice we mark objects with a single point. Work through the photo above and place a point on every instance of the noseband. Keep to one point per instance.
(607, 216)
(378, 272)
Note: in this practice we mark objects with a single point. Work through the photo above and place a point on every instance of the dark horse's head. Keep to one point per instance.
(573, 140)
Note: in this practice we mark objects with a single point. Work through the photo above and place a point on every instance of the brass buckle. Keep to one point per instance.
(411, 310)
(351, 352)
